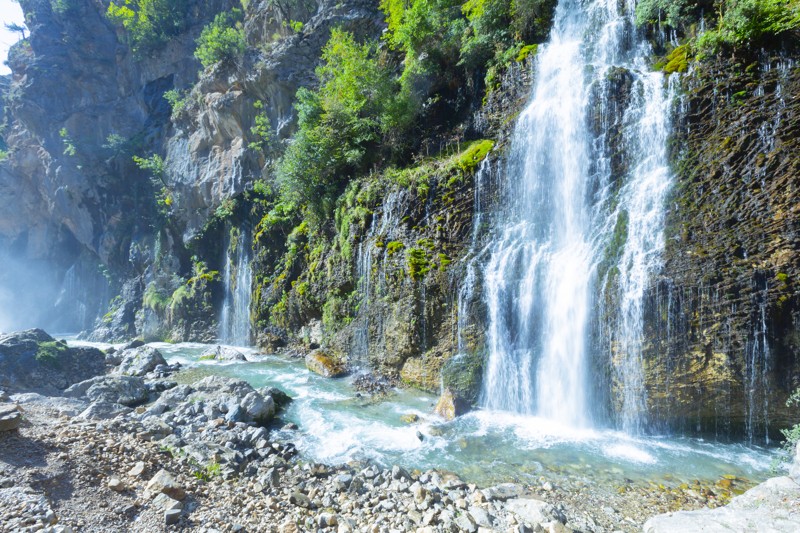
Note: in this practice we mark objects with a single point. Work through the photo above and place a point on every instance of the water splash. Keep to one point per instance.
(234, 326)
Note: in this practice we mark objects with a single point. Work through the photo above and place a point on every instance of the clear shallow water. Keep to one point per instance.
(336, 425)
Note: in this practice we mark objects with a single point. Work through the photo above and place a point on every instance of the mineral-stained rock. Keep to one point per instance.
(324, 364)
(450, 406)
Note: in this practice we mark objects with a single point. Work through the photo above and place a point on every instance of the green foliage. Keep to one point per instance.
(156, 298)
(61, 7)
(69, 144)
(677, 60)
(340, 126)
(474, 154)
(393, 247)
(750, 23)
(48, 352)
(221, 40)
(3, 155)
(792, 434)
(526, 51)
(418, 263)
(208, 472)
(155, 165)
(671, 13)
(177, 101)
(261, 129)
(296, 26)
(149, 23)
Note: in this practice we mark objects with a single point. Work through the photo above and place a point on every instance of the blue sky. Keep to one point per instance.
(9, 12)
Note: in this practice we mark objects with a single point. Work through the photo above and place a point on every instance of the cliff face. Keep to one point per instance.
(723, 323)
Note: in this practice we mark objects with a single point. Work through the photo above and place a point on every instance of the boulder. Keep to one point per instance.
(450, 405)
(503, 491)
(223, 353)
(125, 390)
(531, 511)
(323, 364)
(139, 361)
(770, 506)
(10, 417)
(104, 411)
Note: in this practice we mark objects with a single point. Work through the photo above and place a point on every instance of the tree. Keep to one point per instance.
(16, 28)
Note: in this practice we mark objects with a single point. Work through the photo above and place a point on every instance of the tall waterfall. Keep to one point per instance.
(571, 217)
(234, 325)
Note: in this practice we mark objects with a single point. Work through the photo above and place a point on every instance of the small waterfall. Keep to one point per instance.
(566, 210)
(234, 326)
(756, 379)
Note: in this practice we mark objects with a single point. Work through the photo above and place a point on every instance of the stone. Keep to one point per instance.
(10, 417)
(164, 482)
(116, 484)
(450, 406)
(299, 499)
(104, 411)
(324, 364)
(532, 511)
(223, 353)
(794, 468)
(172, 516)
(165, 503)
(770, 506)
(137, 470)
(464, 523)
(139, 361)
(480, 516)
(410, 418)
(125, 390)
(503, 491)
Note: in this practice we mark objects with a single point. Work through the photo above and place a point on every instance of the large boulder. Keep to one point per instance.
(223, 353)
(123, 390)
(324, 364)
(32, 360)
(450, 405)
(139, 361)
(770, 506)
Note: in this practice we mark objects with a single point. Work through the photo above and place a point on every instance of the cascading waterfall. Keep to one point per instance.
(757, 375)
(234, 326)
(564, 207)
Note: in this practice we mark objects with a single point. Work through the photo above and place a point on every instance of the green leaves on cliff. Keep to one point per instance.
(751, 22)
(340, 125)
(149, 23)
(222, 40)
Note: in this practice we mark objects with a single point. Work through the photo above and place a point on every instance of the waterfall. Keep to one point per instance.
(234, 326)
(571, 216)
(757, 368)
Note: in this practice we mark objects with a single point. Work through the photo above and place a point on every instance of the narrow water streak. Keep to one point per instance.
(234, 326)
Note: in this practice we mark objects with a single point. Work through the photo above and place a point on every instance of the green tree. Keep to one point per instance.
(149, 23)
(221, 40)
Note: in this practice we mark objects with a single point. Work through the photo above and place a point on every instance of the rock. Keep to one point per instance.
(532, 511)
(172, 516)
(258, 408)
(125, 390)
(400, 473)
(165, 503)
(409, 418)
(299, 499)
(223, 353)
(450, 406)
(116, 484)
(464, 523)
(770, 506)
(138, 470)
(10, 417)
(794, 468)
(139, 361)
(104, 411)
(164, 482)
(502, 492)
(3, 396)
(324, 365)
(280, 398)
(480, 516)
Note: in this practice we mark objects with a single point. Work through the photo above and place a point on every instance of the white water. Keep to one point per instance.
(234, 324)
(563, 207)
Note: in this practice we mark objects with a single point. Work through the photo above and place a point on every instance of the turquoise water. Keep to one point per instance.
(336, 426)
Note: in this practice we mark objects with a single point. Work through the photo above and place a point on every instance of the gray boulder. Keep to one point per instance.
(139, 361)
(223, 353)
(124, 390)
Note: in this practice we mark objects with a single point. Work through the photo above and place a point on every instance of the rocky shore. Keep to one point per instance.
(136, 449)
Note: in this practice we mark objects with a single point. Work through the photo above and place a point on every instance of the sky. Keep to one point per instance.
(9, 12)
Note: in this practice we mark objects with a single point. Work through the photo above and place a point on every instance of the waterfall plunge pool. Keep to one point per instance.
(336, 425)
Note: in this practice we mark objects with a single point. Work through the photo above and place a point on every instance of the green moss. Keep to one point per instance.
(155, 298)
(48, 352)
(393, 247)
(782, 277)
(677, 60)
(444, 261)
(418, 263)
(527, 50)
(474, 154)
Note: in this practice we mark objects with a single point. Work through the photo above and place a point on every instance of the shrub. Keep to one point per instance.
(671, 13)
(751, 23)
(222, 39)
(149, 23)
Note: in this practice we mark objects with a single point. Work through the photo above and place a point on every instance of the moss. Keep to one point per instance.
(418, 263)
(474, 154)
(155, 298)
(782, 277)
(677, 60)
(393, 247)
(527, 50)
(462, 374)
(444, 261)
(49, 352)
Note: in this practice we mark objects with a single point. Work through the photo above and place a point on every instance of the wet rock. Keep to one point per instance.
(139, 361)
(223, 353)
(324, 364)
(450, 406)
(410, 418)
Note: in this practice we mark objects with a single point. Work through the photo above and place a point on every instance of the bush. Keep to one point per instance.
(751, 23)
(671, 13)
(149, 23)
(340, 126)
(222, 39)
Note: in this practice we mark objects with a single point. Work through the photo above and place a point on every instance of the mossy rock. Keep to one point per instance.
(451, 405)
(324, 364)
(462, 374)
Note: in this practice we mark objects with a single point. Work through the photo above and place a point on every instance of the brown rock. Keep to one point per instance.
(323, 364)
(450, 406)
